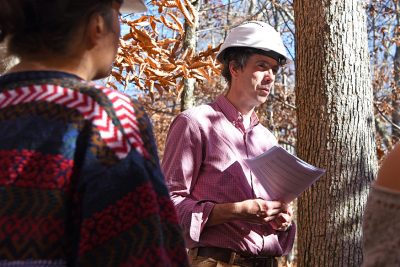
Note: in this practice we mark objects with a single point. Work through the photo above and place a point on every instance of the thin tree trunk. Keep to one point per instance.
(252, 8)
(396, 97)
(190, 42)
(228, 21)
(335, 129)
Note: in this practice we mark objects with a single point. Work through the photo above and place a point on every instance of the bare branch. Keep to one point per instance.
(386, 118)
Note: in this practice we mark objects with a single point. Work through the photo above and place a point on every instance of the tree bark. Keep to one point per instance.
(335, 129)
(190, 42)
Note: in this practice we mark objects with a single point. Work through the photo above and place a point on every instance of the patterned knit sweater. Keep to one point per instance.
(80, 181)
(381, 226)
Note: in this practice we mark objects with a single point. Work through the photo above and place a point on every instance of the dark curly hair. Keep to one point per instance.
(32, 26)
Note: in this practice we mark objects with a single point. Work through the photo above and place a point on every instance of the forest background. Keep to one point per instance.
(333, 105)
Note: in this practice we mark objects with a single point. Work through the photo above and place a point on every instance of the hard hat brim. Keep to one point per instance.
(281, 59)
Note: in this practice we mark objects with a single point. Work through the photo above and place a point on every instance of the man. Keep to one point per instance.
(225, 213)
(80, 180)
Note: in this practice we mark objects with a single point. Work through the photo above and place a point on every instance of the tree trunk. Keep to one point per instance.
(190, 42)
(396, 97)
(335, 129)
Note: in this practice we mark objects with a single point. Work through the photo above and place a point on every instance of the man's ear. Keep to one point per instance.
(233, 68)
(95, 29)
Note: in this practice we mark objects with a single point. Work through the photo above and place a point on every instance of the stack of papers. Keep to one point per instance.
(283, 175)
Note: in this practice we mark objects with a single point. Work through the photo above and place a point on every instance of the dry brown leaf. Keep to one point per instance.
(112, 85)
(138, 83)
(153, 50)
(198, 64)
(166, 83)
(144, 37)
(192, 10)
(128, 36)
(138, 59)
(167, 41)
(197, 76)
(142, 67)
(177, 22)
(201, 73)
(188, 54)
(157, 72)
(153, 63)
(168, 66)
(175, 49)
(153, 25)
(185, 12)
(169, 4)
(185, 72)
(169, 24)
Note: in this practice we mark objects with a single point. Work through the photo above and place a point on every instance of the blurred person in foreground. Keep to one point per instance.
(225, 213)
(80, 180)
(381, 222)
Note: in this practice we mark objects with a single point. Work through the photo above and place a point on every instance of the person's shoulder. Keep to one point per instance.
(94, 89)
(389, 172)
(197, 117)
(117, 105)
(198, 113)
(116, 97)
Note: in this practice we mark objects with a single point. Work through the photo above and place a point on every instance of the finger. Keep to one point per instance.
(270, 219)
(274, 212)
(273, 204)
(281, 218)
(268, 213)
(274, 225)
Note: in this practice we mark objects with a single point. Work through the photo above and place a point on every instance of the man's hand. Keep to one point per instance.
(283, 220)
(259, 211)
(252, 210)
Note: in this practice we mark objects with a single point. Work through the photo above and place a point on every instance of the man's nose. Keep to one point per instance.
(269, 75)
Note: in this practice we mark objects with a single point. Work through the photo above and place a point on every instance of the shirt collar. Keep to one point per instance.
(232, 114)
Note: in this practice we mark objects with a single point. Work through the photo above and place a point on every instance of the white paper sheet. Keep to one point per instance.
(283, 175)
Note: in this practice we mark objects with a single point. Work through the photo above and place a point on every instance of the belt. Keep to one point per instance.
(232, 257)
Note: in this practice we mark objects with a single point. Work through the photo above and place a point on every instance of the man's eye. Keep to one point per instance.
(265, 66)
(268, 67)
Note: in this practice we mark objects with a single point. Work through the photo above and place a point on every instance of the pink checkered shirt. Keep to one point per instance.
(204, 164)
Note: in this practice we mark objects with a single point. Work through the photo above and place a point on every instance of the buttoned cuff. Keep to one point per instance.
(200, 215)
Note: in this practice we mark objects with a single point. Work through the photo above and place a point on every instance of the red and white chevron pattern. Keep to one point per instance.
(119, 142)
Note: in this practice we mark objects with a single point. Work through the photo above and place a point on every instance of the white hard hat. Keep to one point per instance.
(256, 34)
(129, 6)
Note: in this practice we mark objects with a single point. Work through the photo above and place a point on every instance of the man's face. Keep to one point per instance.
(255, 80)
